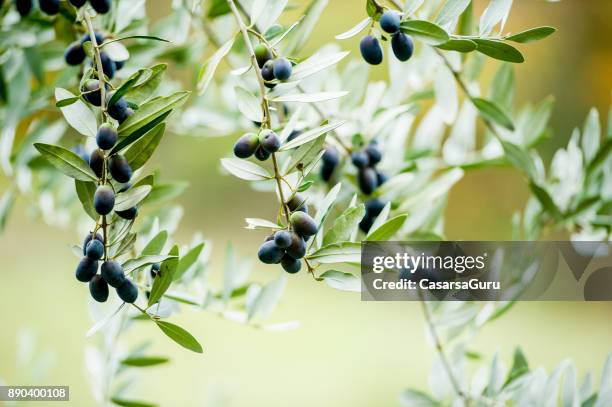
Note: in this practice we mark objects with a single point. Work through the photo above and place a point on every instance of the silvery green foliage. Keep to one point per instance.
(492, 383)
(427, 119)
(113, 367)
(36, 84)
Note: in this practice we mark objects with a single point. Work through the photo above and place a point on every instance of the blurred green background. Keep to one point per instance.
(345, 352)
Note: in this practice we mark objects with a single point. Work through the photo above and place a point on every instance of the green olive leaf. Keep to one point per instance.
(140, 152)
(426, 31)
(163, 278)
(180, 336)
(533, 34)
(499, 50)
(66, 161)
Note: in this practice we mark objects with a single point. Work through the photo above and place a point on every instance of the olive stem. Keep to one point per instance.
(440, 349)
(102, 86)
(464, 87)
(249, 45)
(278, 177)
(99, 69)
(264, 101)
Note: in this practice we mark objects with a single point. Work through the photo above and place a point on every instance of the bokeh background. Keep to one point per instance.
(345, 353)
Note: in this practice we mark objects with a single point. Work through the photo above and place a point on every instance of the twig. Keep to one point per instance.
(441, 352)
(463, 86)
(102, 86)
(267, 122)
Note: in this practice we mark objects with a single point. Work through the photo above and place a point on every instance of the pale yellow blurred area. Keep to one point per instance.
(345, 352)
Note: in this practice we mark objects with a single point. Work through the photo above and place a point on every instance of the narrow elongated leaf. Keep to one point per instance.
(344, 225)
(388, 229)
(324, 208)
(305, 154)
(310, 97)
(163, 278)
(497, 12)
(208, 69)
(461, 45)
(499, 50)
(130, 403)
(218, 8)
(77, 114)
(411, 398)
(519, 158)
(128, 83)
(187, 261)
(451, 11)
(257, 10)
(315, 64)
(590, 136)
(362, 25)
(146, 85)
(102, 323)
(85, 191)
(66, 161)
(288, 31)
(180, 336)
(267, 299)
(249, 105)
(134, 37)
(545, 199)
(311, 135)
(519, 367)
(245, 170)
(299, 36)
(490, 111)
(131, 197)
(341, 281)
(140, 152)
(600, 158)
(533, 34)
(66, 102)
(144, 361)
(156, 245)
(343, 252)
(145, 260)
(255, 223)
(117, 52)
(150, 111)
(135, 136)
(426, 31)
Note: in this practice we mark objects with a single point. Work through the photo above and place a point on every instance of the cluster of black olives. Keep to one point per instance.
(106, 165)
(271, 69)
(401, 43)
(104, 202)
(330, 161)
(261, 145)
(75, 55)
(111, 272)
(286, 247)
(369, 179)
(52, 7)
